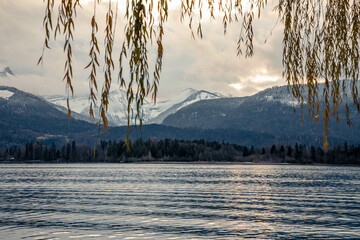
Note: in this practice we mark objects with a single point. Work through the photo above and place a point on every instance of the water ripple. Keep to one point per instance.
(178, 201)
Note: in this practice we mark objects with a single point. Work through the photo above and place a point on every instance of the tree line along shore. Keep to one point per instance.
(172, 150)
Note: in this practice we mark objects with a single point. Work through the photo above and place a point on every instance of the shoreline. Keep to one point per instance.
(181, 163)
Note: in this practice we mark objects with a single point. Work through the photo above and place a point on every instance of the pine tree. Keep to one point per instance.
(73, 151)
(312, 154)
(52, 152)
(263, 151)
(273, 150)
(246, 152)
(68, 151)
(289, 151)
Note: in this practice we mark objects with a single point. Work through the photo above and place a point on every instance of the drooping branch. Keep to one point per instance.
(94, 62)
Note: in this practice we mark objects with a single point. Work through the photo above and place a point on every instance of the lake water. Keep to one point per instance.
(178, 201)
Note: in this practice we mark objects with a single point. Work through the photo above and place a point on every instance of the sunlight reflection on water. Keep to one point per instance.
(178, 201)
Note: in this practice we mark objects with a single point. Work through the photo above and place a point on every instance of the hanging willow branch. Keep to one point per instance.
(94, 62)
(320, 44)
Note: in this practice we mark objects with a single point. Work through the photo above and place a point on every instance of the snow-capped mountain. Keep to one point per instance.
(156, 113)
(152, 113)
(6, 72)
(7, 76)
(117, 111)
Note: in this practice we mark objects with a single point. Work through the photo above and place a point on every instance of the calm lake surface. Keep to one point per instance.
(178, 201)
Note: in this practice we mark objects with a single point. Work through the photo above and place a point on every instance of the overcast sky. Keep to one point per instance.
(209, 64)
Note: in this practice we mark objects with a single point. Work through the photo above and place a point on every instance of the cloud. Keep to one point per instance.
(209, 63)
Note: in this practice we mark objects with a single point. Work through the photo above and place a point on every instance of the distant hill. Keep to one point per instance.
(25, 117)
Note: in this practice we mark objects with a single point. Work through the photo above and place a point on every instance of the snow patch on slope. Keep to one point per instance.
(6, 94)
(286, 100)
(282, 95)
(277, 94)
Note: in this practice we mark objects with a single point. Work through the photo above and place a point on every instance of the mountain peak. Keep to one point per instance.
(118, 90)
(6, 71)
(151, 113)
(191, 90)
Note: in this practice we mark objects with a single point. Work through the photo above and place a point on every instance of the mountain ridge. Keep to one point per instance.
(269, 111)
(25, 117)
(117, 109)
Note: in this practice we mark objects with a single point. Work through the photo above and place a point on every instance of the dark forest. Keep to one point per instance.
(169, 150)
